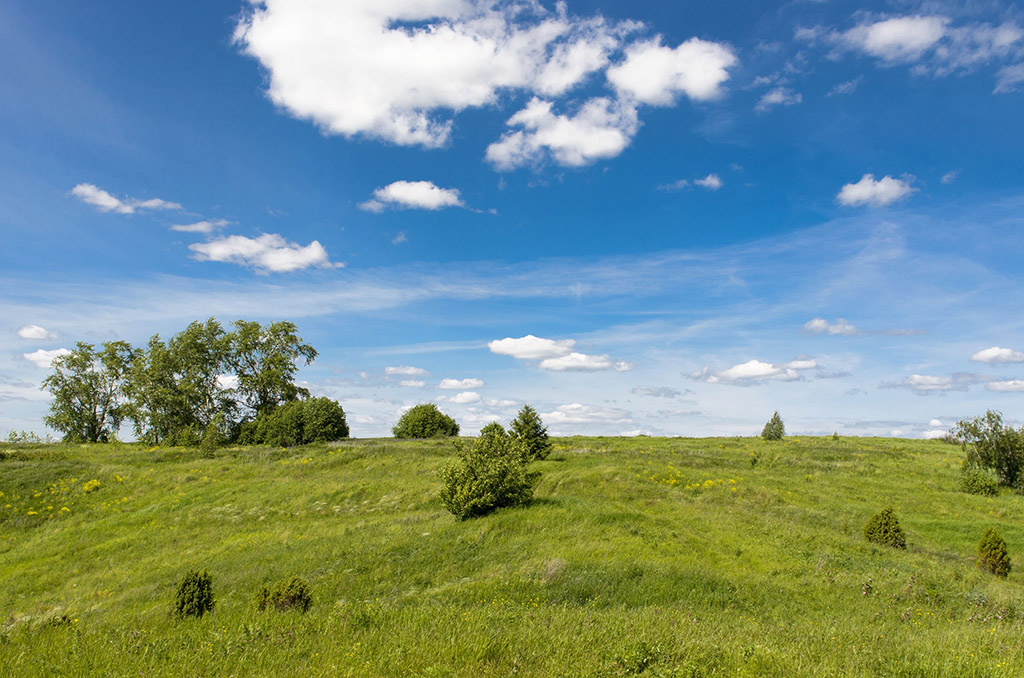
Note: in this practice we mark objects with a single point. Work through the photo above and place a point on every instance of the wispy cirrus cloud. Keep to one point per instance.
(93, 195)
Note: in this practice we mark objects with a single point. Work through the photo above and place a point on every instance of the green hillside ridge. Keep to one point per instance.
(666, 557)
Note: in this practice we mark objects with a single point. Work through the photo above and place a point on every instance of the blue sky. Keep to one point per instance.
(642, 217)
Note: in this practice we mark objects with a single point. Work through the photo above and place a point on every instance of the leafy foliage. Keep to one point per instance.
(992, 554)
(493, 429)
(491, 474)
(528, 427)
(425, 421)
(978, 481)
(990, 444)
(774, 429)
(265, 360)
(298, 423)
(883, 528)
(194, 596)
(88, 389)
(288, 594)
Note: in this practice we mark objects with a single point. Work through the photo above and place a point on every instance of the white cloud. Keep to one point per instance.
(531, 347)
(464, 398)
(998, 355)
(780, 96)
(868, 191)
(926, 384)
(712, 182)
(898, 39)
(456, 384)
(412, 195)
(205, 226)
(654, 74)
(949, 177)
(656, 391)
(227, 381)
(1006, 386)
(105, 202)
(582, 362)
(43, 358)
(577, 413)
(846, 87)
(1009, 79)
(935, 423)
(674, 186)
(267, 253)
(35, 332)
(822, 326)
(405, 371)
(412, 383)
(602, 128)
(934, 434)
(756, 371)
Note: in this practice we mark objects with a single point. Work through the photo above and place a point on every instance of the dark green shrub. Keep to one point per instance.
(491, 474)
(493, 429)
(213, 436)
(990, 444)
(425, 421)
(288, 594)
(992, 554)
(774, 429)
(194, 597)
(298, 422)
(884, 529)
(978, 481)
(528, 427)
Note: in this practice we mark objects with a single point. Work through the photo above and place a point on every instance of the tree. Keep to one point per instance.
(884, 528)
(88, 389)
(992, 554)
(491, 474)
(265, 360)
(990, 444)
(774, 429)
(298, 423)
(493, 429)
(528, 427)
(425, 421)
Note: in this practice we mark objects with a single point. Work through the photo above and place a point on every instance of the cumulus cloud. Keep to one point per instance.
(531, 347)
(755, 372)
(897, 39)
(412, 383)
(464, 398)
(656, 391)
(205, 226)
(424, 195)
(268, 253)
(43, 358)
(822, 326)
(998, 355)
(582, 362)
(874, 193)
(712, 182)
(35, 332)
(1006, 386)
(935, 423)
(655, 74)
(577, 413)
(399, 71)
(105, 202)
(405, 371)
(457, 384)
(780, 96)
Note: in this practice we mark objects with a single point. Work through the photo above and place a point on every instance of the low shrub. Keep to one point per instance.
(992, 554)
(288, 594)
(491, 474)
(493, 429)
(774, 429)
(978, 481)
(194, 596)
(298, 422)
(884, 529)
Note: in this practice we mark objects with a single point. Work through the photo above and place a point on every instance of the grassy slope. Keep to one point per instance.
(619, 566)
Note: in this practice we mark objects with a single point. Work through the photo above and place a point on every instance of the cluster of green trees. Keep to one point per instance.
(205, 383)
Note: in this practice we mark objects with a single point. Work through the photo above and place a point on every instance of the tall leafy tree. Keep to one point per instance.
(88, 389)
(265, 359)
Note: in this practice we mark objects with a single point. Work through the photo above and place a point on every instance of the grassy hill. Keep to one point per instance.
(661, 557)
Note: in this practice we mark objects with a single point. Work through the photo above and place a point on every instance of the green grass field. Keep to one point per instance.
(653, 556)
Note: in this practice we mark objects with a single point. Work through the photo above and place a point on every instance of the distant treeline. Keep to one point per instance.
(204, 385)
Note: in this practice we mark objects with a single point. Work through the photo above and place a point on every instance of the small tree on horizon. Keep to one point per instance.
(528, 427)
(425, 421)
(88, 389)
(774, 429)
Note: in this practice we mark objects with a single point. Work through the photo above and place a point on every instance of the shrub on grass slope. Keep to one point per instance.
(194, 596)
(425, 421)
(990, 444)
(288, 594)
(978, 481)
(992, 554)
(774, 429)
(884, 529)
(299, 422)
(491, 474)
(528, 427)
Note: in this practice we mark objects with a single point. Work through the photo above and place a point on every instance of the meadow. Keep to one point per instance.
(653, 556)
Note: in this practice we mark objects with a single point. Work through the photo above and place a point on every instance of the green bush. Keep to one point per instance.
(491, 474)
(992, 554)
(990, 444)
(884, 529)
(288, 594)
(978, 481)
(493, 429)
(528, 427)
(774, 429)
(425, 421)
(298, 422)
(194, 596)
